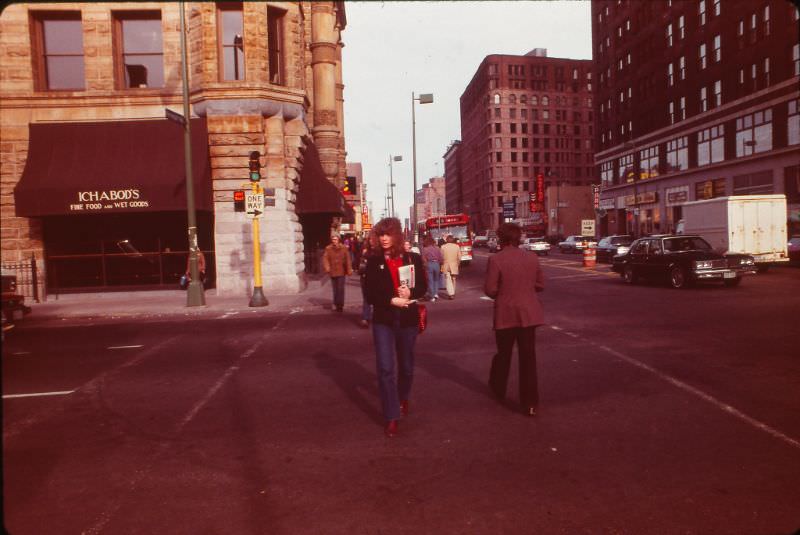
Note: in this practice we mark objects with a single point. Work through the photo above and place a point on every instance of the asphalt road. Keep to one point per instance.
(662, 411)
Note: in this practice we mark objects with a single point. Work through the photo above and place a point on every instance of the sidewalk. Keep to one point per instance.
(71, 308)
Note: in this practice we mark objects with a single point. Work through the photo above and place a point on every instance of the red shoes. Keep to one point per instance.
(404, 408)
(391, 428)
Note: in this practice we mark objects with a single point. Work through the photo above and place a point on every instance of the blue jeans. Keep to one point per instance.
(337, 283)
(433, 278)
(394, 386)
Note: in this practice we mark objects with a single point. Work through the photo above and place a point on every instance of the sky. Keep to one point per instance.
(395, 48)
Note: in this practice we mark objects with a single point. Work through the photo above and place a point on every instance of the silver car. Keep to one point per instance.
(537, 245)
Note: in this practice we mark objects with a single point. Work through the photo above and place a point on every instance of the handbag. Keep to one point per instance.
(422, 313)
(184, 282)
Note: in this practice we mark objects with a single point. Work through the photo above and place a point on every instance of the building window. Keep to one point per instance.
(796, 58)
(753, 184)
(681, 27)
(702, 10)
(545, 101)
(709, 189)
(682, 68)
(140, 56)
(711, 145)
(58, 41)
(648, 159)
(497, 113)
(793, 123)
(496, 128)
(683, 108)
(275, 18)
(497, 98)
(717, 8)
(717, 48)
(754, 133)
(702, 56)
(671, 113)
(230, 23)
(607, 173)
(677, 154)
(766, 71)
(765, 22)
(625, 172)
(670, 75)
(669, 34)
(703, 99)
(718, 93)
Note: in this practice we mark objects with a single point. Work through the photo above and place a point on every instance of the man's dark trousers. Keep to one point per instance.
(337, 283)
(525, 337)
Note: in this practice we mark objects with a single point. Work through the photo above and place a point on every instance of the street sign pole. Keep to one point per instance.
(258, 299)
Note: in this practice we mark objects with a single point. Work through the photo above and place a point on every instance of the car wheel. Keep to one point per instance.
(678, 277)
(629, 275)
(732, 282)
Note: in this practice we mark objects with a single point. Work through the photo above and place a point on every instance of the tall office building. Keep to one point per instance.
(521, 116)
(694, 99)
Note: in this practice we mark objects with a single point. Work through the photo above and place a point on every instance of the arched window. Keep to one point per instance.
(545, 101)
(512, 99)
(497, 98)
(534, 100)
(523, 100)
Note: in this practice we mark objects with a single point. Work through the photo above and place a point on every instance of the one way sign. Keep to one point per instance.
(254, 204)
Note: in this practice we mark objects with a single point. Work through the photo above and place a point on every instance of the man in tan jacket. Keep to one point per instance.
(451, 258)
(336, 262)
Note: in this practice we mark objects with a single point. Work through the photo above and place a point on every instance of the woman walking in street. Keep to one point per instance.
(513, 278)
(432, 256)
(395, 317)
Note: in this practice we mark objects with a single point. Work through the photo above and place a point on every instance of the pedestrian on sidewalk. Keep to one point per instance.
(395, 318)
(432, 256)
(366, 250)
(451, 259)
(336, 263)
(201, 268)
(513, 278)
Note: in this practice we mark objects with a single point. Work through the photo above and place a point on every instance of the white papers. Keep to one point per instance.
(406, 275)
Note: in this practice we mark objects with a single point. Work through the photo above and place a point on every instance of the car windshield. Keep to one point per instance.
(621, 241)
(688, 243)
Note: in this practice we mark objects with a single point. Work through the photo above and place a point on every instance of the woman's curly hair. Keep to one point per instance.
(392, 227)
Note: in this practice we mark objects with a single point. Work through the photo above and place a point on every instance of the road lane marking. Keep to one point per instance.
(125, 347)
(688, 388)
(20, 353)
(574, 276)
(38, 394)
(105, 517)
(228, 314)
(584, 270)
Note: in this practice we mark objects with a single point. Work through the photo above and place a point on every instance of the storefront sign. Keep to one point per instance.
(108, 200)
(677, 196)
(648, 197)
(607, 204)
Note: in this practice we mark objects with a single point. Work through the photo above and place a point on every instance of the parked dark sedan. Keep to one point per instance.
(610, 246)
(682, 260)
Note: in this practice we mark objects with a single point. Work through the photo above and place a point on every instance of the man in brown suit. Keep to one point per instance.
(513, 279)
(336, 262)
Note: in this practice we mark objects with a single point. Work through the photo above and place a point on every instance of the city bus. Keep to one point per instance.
(457, 225)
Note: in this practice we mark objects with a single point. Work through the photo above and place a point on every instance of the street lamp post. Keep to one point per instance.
(194, 293)
(424, 98)
(391, 180)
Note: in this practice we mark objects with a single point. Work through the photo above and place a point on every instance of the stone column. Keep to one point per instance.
(324, 39)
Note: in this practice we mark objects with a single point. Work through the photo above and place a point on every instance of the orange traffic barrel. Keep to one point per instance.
(589, 257)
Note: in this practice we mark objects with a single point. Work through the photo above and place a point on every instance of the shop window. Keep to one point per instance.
(57, 44)
(275, 18)
(230, 24)
(754, 133)
(711, 145)
(796, 59)
(625, 171)
(139, 56)
(753, 184)
(709, 189)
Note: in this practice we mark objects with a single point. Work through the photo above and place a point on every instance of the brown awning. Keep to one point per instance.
(317, 195)
(110, 167)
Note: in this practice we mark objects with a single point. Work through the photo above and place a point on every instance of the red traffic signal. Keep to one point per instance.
(238, 201)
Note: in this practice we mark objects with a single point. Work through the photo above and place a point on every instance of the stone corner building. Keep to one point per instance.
(92, 176)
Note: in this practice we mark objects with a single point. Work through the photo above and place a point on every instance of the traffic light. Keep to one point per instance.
(238, 201)
(349, 187)
(255, 166)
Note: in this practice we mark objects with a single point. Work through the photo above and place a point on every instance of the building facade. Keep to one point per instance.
(522, 116)
(431, 199)
(454, 186)
(92, 171)
(694, 100)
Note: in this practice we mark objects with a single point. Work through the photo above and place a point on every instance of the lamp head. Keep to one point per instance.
(426, 98)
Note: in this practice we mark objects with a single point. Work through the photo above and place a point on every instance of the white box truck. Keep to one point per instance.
(749, 224)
